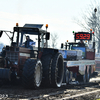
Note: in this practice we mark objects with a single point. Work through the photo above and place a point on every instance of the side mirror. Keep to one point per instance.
(1, 33)
(62, 45)
(47, 36)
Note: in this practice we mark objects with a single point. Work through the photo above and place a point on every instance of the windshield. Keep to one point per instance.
(22, 38)
(31, 42)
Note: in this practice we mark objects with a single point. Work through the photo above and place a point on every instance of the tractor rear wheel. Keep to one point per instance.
(46, 63)
(32, 73)
(57, 70)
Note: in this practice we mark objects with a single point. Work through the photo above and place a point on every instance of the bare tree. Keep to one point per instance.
(54, 38)
(91, 20)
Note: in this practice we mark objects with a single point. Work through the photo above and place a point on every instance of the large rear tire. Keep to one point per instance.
(46, 63)
(57, 70)
(32, 73)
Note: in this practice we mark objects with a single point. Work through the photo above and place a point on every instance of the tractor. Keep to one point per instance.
(35, 67)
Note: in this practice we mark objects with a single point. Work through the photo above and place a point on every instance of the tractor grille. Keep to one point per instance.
(13, 57)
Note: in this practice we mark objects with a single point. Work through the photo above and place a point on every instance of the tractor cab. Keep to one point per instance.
(35, 33)
(74, 44)
(41, 35)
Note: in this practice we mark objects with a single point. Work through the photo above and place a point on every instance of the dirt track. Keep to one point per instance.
(17, 92)
(89, 91)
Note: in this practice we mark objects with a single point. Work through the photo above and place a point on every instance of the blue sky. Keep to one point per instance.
(58, 14)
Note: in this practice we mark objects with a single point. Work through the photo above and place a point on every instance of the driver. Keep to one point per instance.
(28, 43)
(81, 43)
